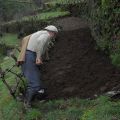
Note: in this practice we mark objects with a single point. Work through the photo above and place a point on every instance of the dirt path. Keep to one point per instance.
(76, 69)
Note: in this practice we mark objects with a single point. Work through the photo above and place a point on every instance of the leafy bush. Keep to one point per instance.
(115, 59)
(103, 16)
(33, 114)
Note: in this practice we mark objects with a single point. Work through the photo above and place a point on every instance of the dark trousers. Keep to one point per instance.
(32, 73)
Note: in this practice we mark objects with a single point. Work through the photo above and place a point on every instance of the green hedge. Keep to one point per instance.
(33, 23)
(104, 19)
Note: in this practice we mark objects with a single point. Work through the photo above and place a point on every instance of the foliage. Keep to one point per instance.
(104, 110)
(104, 17)
(33, 114)
(73, 109)
(47, 15)
(106, 27)
(66, 1)
(33, 23)
(9, 10)
(115, 59)
(7, 43)
(9, 39)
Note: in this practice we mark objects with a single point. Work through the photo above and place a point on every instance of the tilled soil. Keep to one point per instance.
(76, 68)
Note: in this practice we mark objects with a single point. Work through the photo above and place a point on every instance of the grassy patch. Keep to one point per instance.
(47, 15)
(6, 42)
(65, 2)
(115, 59)
(41, 16)
(9, 39)
(77, 109)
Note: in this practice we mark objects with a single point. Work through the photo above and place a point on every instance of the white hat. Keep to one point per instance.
(51, 28)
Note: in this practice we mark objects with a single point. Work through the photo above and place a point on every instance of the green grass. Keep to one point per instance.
(115, 58)
(9, 108)
(80, 109)
(41, 16)
(47, 15)
(9, 39)
(54, 2)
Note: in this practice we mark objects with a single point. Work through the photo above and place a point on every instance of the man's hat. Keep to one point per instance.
(51, 28)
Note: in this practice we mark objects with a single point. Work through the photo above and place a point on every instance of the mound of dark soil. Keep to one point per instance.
(71, 23)
(76, 69)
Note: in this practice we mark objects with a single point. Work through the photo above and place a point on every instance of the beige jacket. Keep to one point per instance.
(24, 44)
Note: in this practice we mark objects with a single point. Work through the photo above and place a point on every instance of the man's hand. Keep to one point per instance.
(18, 63)
(39, 61)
